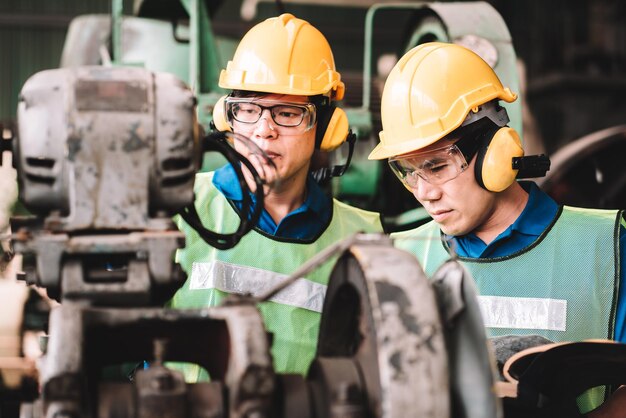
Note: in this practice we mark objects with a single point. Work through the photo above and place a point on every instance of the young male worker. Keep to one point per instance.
(284, 85)
(540, 268)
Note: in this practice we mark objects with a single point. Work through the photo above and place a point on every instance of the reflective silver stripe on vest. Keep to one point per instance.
(523, 313)
(233, 278)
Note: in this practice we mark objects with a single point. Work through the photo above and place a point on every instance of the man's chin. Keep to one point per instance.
(452, 230)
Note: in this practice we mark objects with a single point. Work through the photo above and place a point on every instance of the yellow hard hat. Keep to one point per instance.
(284, 55)
(429, 93)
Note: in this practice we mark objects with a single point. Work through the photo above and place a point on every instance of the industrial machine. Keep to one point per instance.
(587, 172)
(105, 157)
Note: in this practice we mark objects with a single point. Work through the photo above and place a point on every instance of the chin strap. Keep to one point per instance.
(324, 174)
(531, 166)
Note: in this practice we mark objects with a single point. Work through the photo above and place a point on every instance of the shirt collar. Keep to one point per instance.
(538, 213)
(225, 180)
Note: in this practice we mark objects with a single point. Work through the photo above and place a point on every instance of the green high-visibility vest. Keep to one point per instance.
(255, 265)
(563, 286)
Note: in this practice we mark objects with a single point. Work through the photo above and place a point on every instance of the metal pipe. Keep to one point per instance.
(117, 7)
(367, 48)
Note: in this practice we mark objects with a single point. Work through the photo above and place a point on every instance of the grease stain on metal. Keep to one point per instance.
(134, 142)
(399, 322)
(74, 145)
(391, 293)
(120, 211)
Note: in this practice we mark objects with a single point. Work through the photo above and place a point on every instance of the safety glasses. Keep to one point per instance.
(299, 116)
(435, 167)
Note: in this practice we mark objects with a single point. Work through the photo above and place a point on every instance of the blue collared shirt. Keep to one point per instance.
(304, 223)
(538, 214)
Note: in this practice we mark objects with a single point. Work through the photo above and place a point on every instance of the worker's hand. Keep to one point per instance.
(265, 169)
(262, 163)
(8, 185)
(614, 407)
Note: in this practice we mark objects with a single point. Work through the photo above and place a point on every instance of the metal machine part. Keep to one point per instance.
(381, 315)
(588, 172)
(471, 361)
(384, 351)
(170, 36)
(105, 156)
(418, 345)
(104, 246)
(229, 342)
(84, 132)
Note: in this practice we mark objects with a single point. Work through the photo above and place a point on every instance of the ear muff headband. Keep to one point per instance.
(494, 161)
(332, 127)
(219, 116)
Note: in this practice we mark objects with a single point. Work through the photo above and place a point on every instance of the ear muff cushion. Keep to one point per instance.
(333, 131)
(219, 116)
(494, 161)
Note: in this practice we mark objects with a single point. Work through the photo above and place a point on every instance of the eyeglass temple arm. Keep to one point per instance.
(531, 166)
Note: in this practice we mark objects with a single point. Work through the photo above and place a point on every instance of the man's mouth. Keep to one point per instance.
(439, 215)
(272, 155)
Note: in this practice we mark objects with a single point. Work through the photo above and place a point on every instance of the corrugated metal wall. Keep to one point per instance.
(32, 33)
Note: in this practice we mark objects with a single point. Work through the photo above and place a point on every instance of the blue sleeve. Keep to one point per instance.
(620, 315)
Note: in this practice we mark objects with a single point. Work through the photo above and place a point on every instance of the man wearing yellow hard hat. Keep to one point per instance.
(284, 87)
(540, 268)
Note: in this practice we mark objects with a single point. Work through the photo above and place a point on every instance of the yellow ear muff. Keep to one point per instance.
(219, 116)
(336, 131)
(495, 161)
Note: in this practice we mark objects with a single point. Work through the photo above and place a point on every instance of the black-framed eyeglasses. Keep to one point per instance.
(285, 114)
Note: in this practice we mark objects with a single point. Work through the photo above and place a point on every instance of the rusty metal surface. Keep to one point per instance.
(338, 388)
(147, 263)
(381, 311)
(82, 340)
(111, 96)
(297, 397)
(160, 389)
(472, 365)
(106, 147)
(116, 399)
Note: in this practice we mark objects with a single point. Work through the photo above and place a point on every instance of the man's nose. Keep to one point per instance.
(424, 191)
(265, 127)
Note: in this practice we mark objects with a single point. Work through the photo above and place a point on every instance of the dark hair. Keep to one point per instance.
(319, 100)
(247, 93)
(469, 138)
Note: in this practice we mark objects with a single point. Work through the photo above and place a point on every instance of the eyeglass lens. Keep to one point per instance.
(283, 115)
(435, 169)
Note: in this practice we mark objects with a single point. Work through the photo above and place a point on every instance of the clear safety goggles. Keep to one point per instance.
(299, 116)
(435, 167)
